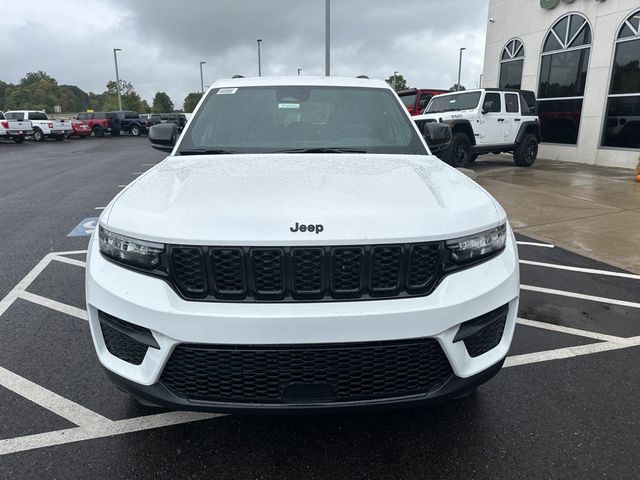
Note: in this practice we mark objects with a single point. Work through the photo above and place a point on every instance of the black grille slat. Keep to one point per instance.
(424, 261)
(188, 269)
(266, 274)
(308, 271)
(228, 271)
(346, 270)
(354, 372)
(386, 264)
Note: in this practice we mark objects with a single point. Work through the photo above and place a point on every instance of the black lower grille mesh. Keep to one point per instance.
(304, 273)
(121, 345)
(352, 372)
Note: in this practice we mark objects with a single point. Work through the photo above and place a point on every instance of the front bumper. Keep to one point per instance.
(151, 304)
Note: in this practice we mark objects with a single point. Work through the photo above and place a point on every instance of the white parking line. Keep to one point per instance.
(70, 261)
(137, 173)
(571, 331)
(54, 305)
(65, 408)
(593, 298)
(100, 208)
(106, 429)
(535, 244)
(581, 269)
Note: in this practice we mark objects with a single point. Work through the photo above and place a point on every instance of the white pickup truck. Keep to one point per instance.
(43, 127)
(17, 130)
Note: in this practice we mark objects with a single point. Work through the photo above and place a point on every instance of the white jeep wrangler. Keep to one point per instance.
(487, 120)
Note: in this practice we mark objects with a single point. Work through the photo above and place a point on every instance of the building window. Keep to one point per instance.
(511, 63)
(622, 121)
(563, 76)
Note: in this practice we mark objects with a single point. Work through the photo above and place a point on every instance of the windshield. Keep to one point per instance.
(409, 99)
(297, 118)
(449, 103)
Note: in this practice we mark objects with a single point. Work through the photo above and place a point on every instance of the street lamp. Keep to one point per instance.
(460, 68)
(395, 80)
(202, 78)
(115, 59)
(327, 38)
(259, 59)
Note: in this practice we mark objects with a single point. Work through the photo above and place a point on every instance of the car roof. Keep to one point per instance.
(301, 81)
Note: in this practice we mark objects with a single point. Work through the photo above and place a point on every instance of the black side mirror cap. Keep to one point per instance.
(437, 135)
(163, 136)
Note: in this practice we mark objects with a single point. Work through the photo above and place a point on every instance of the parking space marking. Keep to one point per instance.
(535, 244)
(70, 261)
(63, 407)
(581, 269)
(570, 352)
(582, 296)
(570, 331)
(100, 208)
(122, 186)
(54, 305)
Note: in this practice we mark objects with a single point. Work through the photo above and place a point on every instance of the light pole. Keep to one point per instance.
(259, 59)
(460, 68)
(480, 84)
(115, 59)
(299, 70)
(202, 78)
(327, 38)
(395, 80)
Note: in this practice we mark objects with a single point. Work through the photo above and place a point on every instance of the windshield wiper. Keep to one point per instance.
(205, 151)
(321, 150)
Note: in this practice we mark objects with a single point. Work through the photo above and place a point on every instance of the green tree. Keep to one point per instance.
(130, 99)
(162, 103)
(397, 82)
(191, 101)
(456, 88)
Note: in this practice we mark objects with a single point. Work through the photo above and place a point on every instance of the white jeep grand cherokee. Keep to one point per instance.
(300, 249)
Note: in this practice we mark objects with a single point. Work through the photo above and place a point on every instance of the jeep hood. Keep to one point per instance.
(256, 199)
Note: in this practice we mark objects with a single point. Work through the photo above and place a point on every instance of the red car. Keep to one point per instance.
(80, 129)
(416, 99)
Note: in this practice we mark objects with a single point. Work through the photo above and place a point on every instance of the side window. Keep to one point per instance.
(528, 102)
(511, 101)
(83, 116)
(492, 103)
(424, 100)
(15, 116)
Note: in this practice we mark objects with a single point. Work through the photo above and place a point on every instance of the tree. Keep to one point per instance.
(456, 88)
(397, 82)
(162, 103)
(130, 99)
(191, 101)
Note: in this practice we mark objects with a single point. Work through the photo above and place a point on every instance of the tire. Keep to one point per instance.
(459, 152)
(526, 151)
(135, 130)
(38, 136)
(98, 131)
(19, 139)
(473, 157)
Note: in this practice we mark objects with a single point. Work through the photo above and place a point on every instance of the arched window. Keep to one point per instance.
(563, 76)
(511, 63)
(622, 123)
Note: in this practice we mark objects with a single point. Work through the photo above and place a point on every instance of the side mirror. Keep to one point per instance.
(437, 135)
(487, 107)
(163, 136)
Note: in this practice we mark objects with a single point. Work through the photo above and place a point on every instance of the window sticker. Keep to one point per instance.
(227, 91)
(453, 100)
(289, 105)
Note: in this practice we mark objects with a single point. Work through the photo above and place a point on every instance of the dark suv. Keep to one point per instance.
(150, 119)
(128, 122)
(179, 119)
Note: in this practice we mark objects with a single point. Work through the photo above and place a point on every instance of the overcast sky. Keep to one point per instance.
(163, 41)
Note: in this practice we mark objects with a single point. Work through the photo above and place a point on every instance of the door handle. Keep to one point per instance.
(501, 119)
(516, 120)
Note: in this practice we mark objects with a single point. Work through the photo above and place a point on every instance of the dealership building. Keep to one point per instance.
(582, 59)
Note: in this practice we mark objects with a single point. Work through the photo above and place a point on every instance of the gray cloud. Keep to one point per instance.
(164, 41)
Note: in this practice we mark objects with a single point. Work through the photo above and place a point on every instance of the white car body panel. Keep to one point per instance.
(48, 127)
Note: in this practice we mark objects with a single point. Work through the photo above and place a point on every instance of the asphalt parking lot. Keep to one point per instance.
(565, 405)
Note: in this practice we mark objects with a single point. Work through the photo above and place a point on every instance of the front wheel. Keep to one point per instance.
(526, 151)
(98, 131)
(38, 136)
(135, 131)
(459, 152)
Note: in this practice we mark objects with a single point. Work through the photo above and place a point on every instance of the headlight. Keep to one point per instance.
(478, 246)
(137, 253)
